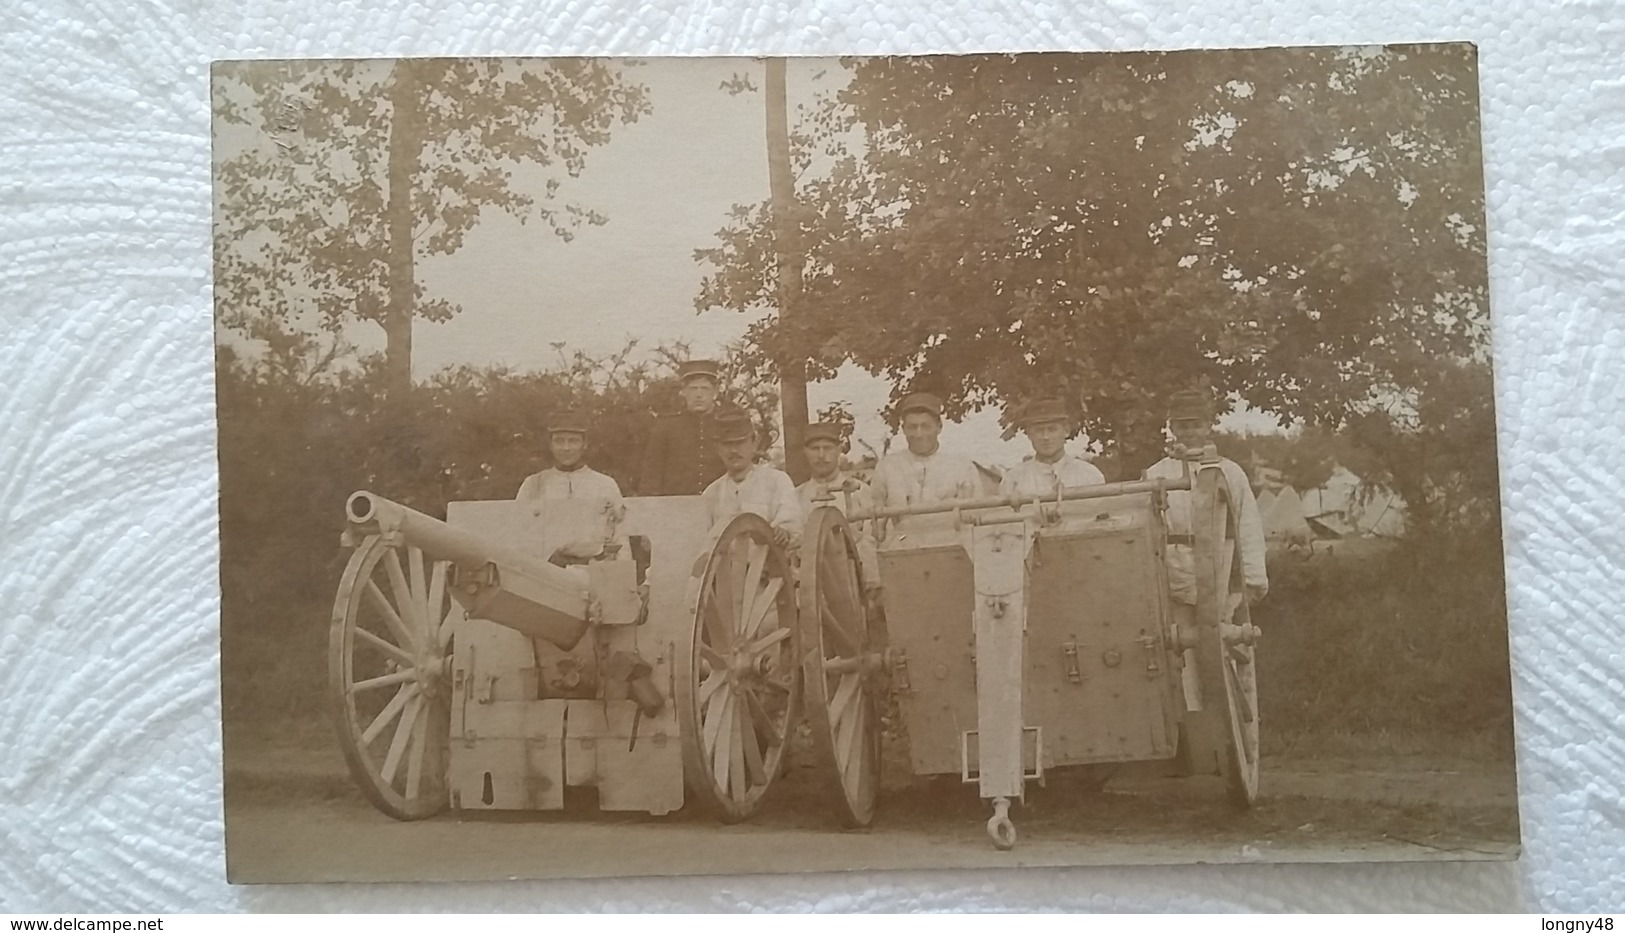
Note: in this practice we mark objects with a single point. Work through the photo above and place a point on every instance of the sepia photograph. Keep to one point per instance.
(716, 466)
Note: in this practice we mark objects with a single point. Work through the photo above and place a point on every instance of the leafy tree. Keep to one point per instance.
(1300, 227)
(1306, 459)
(1439, 456)
(364, 167)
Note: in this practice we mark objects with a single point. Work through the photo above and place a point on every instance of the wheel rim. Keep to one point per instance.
(1241, 696)
(387, 676)
(739, 688)
(1240, 758)
(839, 669)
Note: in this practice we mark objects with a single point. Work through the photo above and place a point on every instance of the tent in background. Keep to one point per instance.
(1338, 508)
(1282, 514)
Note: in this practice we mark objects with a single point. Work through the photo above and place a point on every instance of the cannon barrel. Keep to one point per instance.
(492, 582)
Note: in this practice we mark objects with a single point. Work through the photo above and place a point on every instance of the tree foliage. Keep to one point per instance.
(1300, 228)
(310, 224)
(1305, 460)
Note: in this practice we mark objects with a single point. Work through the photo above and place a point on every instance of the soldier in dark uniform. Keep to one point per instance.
(681, 459)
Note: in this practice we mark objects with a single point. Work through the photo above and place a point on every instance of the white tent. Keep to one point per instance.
(1382, 514)
(1342, 507)
(1265, 497)
(1282, 514)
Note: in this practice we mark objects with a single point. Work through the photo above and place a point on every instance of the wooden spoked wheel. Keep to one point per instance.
(388, 676)
(1241, 701)
(1225, 660)
(840, 668)
(738, 687)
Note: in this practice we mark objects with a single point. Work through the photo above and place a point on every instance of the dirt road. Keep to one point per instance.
(293, 815)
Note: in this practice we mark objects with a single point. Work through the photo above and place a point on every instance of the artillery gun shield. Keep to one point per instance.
(930, 595)
(1099, 681)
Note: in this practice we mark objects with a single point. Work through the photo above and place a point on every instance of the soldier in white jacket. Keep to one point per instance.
(922, 473)
(570, 478)
(832, 486)
(748, 486)
(1047, 424)
(1190, 420)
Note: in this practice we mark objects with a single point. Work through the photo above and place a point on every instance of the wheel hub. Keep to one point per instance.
(743, 666)
(431, 671)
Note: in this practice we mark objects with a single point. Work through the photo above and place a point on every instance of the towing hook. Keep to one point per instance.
(999, 827)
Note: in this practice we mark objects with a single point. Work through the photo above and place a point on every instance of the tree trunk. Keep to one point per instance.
(405, 144)
(786, 247)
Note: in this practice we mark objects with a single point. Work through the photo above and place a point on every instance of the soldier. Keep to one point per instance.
(1190, 420)
(833, 485)
(923, 472)
(570, 478)
(748, 486)
(681, 457)
(1047, 426)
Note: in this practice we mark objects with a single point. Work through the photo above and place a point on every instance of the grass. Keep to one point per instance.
(273, 664)
(1399, 646)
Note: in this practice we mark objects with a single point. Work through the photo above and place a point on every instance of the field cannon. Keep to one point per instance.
(467, 669)
(1022, 637)
(674, 662)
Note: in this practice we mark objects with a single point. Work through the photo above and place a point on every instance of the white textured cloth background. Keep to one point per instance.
(109, 743)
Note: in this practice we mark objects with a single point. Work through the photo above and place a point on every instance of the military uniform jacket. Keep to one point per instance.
(681, 457)
(1034, 478)
(764, 491)
(813, 490)
(1181, 561)
(580, 483)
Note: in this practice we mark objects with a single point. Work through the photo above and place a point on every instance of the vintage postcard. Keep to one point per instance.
(717, 466)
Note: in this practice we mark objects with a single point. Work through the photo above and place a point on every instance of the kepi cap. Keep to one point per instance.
(690, 368)
(1190, 403)
(568, 421)
(823, 431)
(733, 424)
(920, 401)
(1043, 411)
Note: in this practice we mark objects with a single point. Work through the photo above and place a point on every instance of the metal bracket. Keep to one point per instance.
(473, 579)
(898, 663)
(1074, 673)
(967, 776)
(1148, 641)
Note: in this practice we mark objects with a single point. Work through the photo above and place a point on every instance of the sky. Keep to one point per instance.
(666, 184)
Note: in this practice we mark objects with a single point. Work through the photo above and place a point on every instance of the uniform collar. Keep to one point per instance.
(838, 478)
